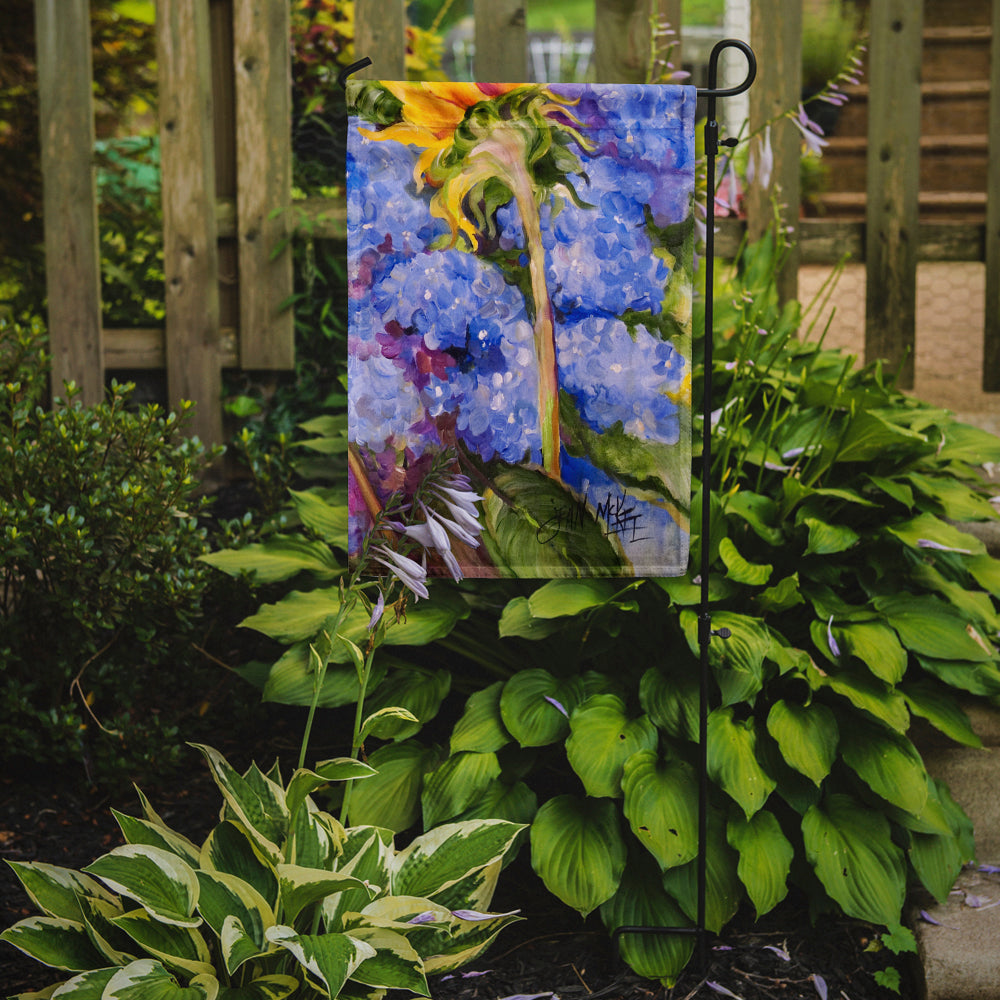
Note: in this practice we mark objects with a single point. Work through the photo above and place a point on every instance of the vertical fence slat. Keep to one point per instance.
(776, 32)
(264, 168)
(501, 41)
(380, 34)
(894, 61)
(72, 256)
(991, 334)
(190, 251)
(622, 39)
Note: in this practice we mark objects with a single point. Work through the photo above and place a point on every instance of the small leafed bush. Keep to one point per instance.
(99, 578)
(279, 900)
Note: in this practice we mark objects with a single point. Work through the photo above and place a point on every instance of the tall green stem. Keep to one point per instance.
(356, 738)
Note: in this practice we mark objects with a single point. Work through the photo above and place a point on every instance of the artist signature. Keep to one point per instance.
(617, 515)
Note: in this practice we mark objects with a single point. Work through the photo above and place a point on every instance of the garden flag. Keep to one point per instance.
(520, 265)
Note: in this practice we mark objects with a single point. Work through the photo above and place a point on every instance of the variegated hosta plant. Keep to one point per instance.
(279, 901)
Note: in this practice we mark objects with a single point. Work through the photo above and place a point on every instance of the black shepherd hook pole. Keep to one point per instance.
(705, 632)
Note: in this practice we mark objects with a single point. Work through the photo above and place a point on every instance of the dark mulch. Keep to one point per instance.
(54, 817)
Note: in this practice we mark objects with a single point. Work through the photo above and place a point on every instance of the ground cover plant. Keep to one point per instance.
(855, 604)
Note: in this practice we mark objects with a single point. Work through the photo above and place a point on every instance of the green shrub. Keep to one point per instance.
(855, 604)
(279, 900)
(99, 579)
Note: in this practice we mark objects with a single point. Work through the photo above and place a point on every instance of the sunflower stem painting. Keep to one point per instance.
(520, 266)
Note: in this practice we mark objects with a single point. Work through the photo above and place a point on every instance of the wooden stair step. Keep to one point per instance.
(949, 203)
(848, 145)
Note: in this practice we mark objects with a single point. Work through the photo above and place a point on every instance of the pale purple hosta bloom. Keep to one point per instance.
(834, 648)
(427, 917)
(760, 164)
(377, 612)
(558, 705)
(782, 953)
(812, 134)
(927, 543)
(410, 573)
(432, 536)
(820, 983)
(719, 988)
(475, 915)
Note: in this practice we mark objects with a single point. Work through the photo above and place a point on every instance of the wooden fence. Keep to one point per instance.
(224, 108)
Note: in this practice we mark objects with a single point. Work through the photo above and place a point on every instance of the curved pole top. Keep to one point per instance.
(713, 69)
(353, 68)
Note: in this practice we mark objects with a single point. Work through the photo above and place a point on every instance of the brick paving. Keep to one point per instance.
(950, 315)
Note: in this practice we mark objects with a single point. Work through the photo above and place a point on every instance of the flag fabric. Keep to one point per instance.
(520, 263)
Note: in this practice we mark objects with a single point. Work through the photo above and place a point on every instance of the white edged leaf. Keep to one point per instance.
(158, 880)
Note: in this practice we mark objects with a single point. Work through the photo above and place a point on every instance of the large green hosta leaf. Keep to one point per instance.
(481, 726)
(459, 781)
(578, 851)
(724, 891)
(850, 848)
(931, 628)
(739, 569)
(534, 527)
(877, 646)
(933, 702)
(535, 706)
(302, 614)
(391, 798)
(601, 740)
(278, 558)
(562, 598)
(661, 806)
(733, 763)
(807, 736)
(670, 698)
(86, 986)
(641, 901)
(765, 858)
(738, 661)
(888, 763)
(928, 528)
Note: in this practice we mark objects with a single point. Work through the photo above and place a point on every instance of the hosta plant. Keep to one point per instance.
(280, 900)
(856, 603)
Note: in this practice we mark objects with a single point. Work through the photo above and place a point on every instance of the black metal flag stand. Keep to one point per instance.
(705, 631)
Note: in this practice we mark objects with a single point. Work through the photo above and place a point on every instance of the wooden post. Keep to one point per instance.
(991, 334)
(72, 254)
(894, 59)
(264, 192)
(190, 252)
(380, 34)
(624, 37)
(501, 41)
(776, 34)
